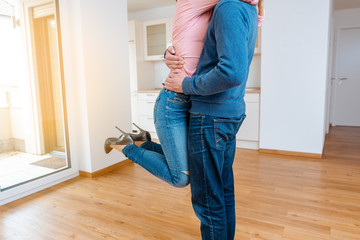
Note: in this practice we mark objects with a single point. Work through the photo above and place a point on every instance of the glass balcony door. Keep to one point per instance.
(34, 150)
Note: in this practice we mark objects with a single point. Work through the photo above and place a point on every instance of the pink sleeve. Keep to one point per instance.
(202, 6)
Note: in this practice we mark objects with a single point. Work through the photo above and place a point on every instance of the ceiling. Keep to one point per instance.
(343, 4)
(139, 5)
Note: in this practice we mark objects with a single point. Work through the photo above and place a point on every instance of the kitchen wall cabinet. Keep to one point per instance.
(141, 71)
(157, 35)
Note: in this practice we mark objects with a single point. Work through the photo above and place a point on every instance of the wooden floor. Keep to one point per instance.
(277, 197)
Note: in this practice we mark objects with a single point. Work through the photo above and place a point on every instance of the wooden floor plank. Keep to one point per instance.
(277, 198)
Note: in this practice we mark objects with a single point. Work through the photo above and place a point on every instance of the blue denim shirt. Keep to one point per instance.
(218, 85)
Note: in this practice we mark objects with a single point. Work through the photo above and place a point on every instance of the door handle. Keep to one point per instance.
(343, 79)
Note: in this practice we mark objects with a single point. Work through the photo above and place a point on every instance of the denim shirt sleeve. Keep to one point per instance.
(230, 30)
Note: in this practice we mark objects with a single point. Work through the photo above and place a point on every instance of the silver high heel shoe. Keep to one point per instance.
(124, 139)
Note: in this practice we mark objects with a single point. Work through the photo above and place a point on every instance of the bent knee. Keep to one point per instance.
(182, 181)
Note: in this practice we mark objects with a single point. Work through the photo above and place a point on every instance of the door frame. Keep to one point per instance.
(56, 177)
(335, 68)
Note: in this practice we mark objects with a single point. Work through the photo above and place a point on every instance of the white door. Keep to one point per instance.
(346, 101)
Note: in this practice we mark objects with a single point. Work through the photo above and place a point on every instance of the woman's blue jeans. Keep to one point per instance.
(169, 160)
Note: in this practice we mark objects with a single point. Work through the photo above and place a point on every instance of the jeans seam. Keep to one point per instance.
(202, 135)
(215, 134)
(156, 108)
(206, 190)
(216, 141)
(215, 128)
(176, 165)
(167, 109)
(168, 126)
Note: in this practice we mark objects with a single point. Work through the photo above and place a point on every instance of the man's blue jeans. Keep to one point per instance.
(169, 160)
(211, 146)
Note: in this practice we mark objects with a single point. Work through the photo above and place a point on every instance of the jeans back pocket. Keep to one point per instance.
(225, 130)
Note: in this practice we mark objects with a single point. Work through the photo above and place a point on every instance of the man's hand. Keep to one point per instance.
(171, 60)
(174, 81)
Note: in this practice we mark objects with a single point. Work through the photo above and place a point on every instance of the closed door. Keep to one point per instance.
(346, 101)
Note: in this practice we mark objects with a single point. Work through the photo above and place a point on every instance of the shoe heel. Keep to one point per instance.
(120, 130)
(143, 134)
(142, 130)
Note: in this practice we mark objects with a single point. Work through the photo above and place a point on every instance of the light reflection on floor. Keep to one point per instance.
(16, 167)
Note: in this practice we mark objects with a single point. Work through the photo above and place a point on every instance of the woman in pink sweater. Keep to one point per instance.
(168, 160)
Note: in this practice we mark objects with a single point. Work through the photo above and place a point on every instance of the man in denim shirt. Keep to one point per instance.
(217, 92)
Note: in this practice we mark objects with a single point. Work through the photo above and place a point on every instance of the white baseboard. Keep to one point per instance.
(247, 144)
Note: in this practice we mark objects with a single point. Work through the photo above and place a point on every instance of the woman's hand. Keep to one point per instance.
(174, 81)
(171, 60)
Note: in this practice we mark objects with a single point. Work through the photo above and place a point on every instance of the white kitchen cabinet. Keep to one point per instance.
(157, 35)
(145, 111)
(248, 135)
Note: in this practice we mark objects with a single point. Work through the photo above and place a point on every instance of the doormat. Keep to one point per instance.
(51, 162)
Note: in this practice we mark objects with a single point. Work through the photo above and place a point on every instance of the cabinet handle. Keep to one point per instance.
(150, 102)
(342, 79)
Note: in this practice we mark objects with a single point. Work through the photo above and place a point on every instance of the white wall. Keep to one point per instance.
(12, 75)
(293, 71)
(16, 114)
(5, 124)
(330, 70)
(17, 126)
(95, 49)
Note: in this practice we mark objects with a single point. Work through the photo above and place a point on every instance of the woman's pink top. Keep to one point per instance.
(190, 23)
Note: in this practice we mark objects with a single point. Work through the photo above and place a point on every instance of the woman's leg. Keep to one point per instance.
(152, 146)
(171, 117)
